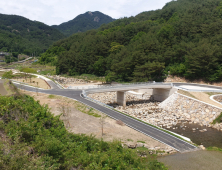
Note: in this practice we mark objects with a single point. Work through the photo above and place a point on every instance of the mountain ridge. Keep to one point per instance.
(83, 22)
(22, 35)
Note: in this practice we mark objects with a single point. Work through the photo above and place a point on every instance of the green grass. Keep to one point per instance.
(130, 140)
(212, 93)
(86, 109)
(141, 141)
(28, 70)
(51, 96)
(186, 93)
(218, 119)
(214, 149)
(45, 72)
(44, 69)
(142, 149)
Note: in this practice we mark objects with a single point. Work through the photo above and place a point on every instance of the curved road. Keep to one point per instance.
(176, 143)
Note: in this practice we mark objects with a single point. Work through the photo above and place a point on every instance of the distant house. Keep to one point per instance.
(2, 55)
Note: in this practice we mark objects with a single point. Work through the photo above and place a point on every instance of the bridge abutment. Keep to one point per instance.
(162, 94)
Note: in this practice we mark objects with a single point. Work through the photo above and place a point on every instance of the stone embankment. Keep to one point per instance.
(141, 107)
(65, 80)
(152, 150)
(192, 110)
(176, 109)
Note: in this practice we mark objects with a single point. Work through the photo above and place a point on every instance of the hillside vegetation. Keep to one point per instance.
(32, 138)
(84, 22)
(21, 35)
(184, 38)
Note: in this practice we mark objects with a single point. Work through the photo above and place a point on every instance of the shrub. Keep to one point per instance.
(32, 125)
(218, 119)
(7, 75)
(28, 70)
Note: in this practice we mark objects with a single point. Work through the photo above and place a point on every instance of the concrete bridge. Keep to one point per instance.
(156, 88)
(160, 91)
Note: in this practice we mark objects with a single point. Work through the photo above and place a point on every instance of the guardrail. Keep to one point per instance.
(46, 82)
(19, 82)
(59, 85)
(95, 101)
(82, 87)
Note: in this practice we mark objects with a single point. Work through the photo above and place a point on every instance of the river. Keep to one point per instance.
(210, 137)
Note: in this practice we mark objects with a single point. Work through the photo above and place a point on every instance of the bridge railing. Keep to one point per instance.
(128, 85)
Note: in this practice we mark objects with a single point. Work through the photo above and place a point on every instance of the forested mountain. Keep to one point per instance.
(21, 35)
(184, 37)
(84, 22)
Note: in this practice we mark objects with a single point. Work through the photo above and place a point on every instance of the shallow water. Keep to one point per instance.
(212, 137)
(204, 160)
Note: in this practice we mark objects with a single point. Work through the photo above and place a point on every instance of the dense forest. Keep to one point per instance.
(84, 22)
(20, 35)
(184, 38)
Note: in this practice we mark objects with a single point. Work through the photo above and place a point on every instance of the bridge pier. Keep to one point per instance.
(121, 100)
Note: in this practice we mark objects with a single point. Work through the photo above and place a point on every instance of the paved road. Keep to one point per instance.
(155, 133)
(197, 85)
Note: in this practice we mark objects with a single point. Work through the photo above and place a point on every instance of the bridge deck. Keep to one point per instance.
(128, 88)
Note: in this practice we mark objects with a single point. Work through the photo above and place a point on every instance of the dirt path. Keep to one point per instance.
(82, 123)
(205, 98)
(2, 88)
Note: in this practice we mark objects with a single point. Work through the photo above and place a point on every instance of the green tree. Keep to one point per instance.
(149, 71)
(202, 61)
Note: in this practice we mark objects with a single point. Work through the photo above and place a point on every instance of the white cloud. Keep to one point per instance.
(54, 12)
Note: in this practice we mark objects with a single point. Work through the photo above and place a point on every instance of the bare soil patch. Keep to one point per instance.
(36, 82)
(171, 79)
(204, 97)
(2, 88)
(79, 121)
(1, 73)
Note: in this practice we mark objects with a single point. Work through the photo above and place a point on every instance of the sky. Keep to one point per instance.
(55, 12)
